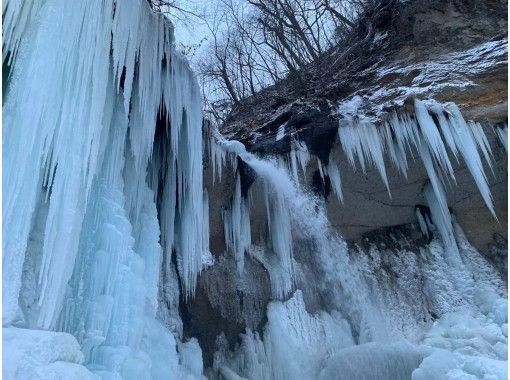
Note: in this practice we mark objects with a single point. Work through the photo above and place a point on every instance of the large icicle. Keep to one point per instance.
(467, 145)
(430, 133)
(58, 126)
(237, 231)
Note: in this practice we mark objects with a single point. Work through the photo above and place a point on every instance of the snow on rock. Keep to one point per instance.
(454, 72)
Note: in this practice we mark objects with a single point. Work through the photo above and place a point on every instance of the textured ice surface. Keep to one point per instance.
(38, 354)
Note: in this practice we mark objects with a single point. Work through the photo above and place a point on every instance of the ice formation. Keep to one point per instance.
(364, 140)
(457, 284)
(502, 133)
(102, 161)
(237, 226)
(106, 223)
(432, 129)
(385, 321)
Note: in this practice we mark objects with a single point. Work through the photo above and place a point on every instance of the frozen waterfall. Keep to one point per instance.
(103, 178)
(106, 223)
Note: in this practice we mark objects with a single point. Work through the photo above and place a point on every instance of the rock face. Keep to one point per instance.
(447, 51)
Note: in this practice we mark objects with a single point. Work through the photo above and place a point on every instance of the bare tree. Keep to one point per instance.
(255, 43)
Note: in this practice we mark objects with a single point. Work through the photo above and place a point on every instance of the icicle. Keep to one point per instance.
(322, 168)
(443, 224)
(351, 143)
(423, 221)
(217, 156)
(237, 229)
(280, 236)
(336, 182)
(482, 142)
(395, 149)
(446, 132)
(502, 133)
(429, 131)
(281, 132)
(81, 56)
(363, 139)
(302, 155)
(293, 165)
(434, 178)
(468, 148)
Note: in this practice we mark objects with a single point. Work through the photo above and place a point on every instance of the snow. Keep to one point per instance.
(38, 354)
(451, 72)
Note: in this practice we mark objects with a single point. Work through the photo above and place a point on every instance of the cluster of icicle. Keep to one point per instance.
(85, 180)
(280, 195)
(434, 129)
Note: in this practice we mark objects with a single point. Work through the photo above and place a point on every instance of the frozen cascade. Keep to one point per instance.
(103, 186)
(103, 154)
(294, 213)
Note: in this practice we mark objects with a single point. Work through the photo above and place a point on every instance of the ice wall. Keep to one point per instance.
(102, 181)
